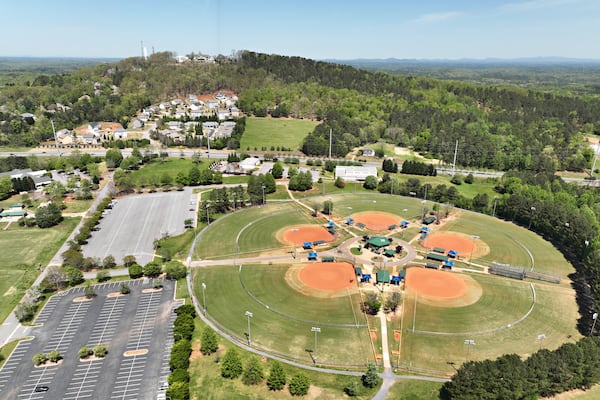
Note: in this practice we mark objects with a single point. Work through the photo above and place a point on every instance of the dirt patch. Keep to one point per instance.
(465, 245)
(376, 220)
(82, 299)
(303, 233)
(324, 280)
(91, 358)
(132, 353)
(397, 335)
(442, 288)
(115, 294)
(152, 290)
(48, 364)
(373, 335)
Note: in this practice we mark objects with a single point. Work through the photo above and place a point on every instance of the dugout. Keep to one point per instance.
(328, 259)
(307, 245)
(383, 276)
(312, 256)
(437, 257)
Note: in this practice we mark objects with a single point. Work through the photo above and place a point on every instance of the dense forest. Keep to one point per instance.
(496, 127)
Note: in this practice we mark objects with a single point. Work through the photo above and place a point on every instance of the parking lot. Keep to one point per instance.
(136, 328)
(135, 221)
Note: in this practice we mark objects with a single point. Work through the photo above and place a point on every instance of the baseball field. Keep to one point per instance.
(444, 317)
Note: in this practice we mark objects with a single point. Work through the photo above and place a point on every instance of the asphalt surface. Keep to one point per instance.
(135, 221)
(141, 320)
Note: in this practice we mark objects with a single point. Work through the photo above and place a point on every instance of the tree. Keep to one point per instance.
(25, 311)
(370, 182)
(152, 269)
(180, 355)
(102, 276)
(277, 170)
(48, 216)
(113, 158)
(109, 262)
(469, 179)
(208, 341)
(178, 391)
(124, 288)
(254, 372)
(56, 190)
(194, 176)
(179, 375)
(299, 385)
(6, 187)
(73, 276)
(328, 207)
(183, 327)
(39, 359)
(175, 270)
(89, 290)
(372, 303)
(135, 271)
(56, 276)
(351, 389)
(231, 366)
(85, 352)
(339, 182)
(129, 260)
(370, 378)
(54, 356)
(277, 377)
(100, 350)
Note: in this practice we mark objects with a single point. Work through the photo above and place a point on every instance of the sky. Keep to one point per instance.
(316, 29)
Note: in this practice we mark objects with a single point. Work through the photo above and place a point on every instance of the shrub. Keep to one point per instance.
(89, 291)
(179, 391)
(340, 183)
(85, 352)
(208, 342)
(351, 389)
(186, 309)
(152, 270)
(179, 375)
(135, 271)
(102, 276)
(39, 359)
(124, 289)
(25, 311)
(232, 364)
(254, 372)
(175, 270)
(180, 355)
(371, 379)
(100, 350)
(54, 356)
(277, 376)
(299, 385)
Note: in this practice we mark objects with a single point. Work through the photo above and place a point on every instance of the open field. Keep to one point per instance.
(23, 249)
(414, 390)
(282, 317)
(273, 132)
(171, 166)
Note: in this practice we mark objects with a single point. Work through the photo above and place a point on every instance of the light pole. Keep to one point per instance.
(249, 315)
(494, 210)
(234, 203)
(594, 317)
(207, 215)
(315, 330)
(204, 297)
(263, 193)
(541, 338)
(469, 343)
(474, 237)
(531, 216)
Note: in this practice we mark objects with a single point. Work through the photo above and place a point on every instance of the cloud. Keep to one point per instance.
(437, 17)
(535, 4)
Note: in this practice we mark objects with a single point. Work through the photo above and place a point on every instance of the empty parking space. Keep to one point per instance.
(140, 320)
(135, 221)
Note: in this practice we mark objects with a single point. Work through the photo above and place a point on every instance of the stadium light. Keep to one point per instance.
(204, 296)
(494, 210)
(263, 193)
(315, 330)
(207, 215)
(469, 343)
(541, 338)
(594, 317)
(249, 315)
(531, 216)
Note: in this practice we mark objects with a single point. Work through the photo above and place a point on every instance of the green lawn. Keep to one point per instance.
(278, 327)
(273, 132)
(409, 389)
(22, 250)
(77, 206)
(158, 168)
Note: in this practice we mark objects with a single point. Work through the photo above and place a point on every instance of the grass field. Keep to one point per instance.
(171, 166)
(258, 226)
(273, 132)
(554, 315)
(414, 390)
(22, 250)
(278, 327)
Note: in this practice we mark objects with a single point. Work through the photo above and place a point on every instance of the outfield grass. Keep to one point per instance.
(284, 334)
(261, 225)
(22, 250)
(273, 132)
(554, 315)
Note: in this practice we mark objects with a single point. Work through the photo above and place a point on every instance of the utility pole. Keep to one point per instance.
(330, 132)
(454, 162)
(594, 162)
(55, 138)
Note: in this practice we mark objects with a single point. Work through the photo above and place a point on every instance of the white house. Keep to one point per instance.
(248, 164)
(354, 173)
(368, 152)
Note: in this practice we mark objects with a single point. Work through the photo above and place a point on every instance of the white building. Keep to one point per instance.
(249, 164)
(354, 173)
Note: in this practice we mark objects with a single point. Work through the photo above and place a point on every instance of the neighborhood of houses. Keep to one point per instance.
(220, 108)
